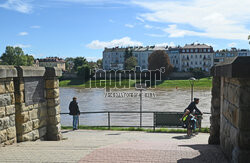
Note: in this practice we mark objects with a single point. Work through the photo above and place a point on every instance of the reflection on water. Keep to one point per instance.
(95, 100)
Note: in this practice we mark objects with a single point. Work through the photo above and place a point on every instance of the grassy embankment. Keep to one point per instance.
(161, 130)
(204, 83)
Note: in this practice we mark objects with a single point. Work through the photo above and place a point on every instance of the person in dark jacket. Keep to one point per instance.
(74, 110)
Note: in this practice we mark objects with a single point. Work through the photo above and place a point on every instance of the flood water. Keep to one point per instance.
(93, 100)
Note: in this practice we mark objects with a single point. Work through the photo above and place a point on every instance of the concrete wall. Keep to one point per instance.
(31, 101)
(234, 97)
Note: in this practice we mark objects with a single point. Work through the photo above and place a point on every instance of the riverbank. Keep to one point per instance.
(158, 130)
(203, 83)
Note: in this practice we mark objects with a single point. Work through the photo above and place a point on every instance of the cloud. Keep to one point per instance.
(155, 35)
(140, 19)
(35, 26)
(232, 45)
(225, 19)
(23, 33)
(166, 44)
(93, 58)
(148, 26)
(125, 41)
(22, 6)
(129, 25)
(22, 46)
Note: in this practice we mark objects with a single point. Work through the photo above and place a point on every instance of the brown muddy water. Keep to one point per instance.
(94, 100)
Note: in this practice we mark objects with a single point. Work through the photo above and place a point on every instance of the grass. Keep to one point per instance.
(158, 130)
(97, 83)
(203, 83)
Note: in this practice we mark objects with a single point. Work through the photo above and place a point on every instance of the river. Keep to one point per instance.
(91, 100)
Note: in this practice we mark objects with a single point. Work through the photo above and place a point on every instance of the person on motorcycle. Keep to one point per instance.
(189, 110)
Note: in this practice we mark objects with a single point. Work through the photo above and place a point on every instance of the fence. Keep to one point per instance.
(132, 112)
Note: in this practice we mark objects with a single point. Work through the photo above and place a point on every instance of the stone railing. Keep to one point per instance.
(31, 104)
(230, 120)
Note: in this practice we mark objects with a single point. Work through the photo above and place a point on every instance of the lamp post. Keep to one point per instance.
(192, 80)
(140, 87)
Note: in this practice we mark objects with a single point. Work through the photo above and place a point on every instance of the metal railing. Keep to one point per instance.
(132, 112)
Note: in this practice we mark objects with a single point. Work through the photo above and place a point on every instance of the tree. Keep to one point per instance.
(160, 59)
(197, 72)
(130, 63)
(99, 63)
(83, 72)
(78, 62)
(15, 56)
(249, 39)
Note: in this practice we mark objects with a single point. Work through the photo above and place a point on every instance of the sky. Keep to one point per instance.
(71, 28)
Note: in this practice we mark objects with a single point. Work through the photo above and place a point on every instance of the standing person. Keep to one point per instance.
(74, 110)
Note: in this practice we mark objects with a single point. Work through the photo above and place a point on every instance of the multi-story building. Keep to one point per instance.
(182, 58)
(52, 62)
(196, 56)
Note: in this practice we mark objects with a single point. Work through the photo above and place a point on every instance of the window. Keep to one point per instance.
(191, 56)
(208, 50)
(192, 50)
(196, 63)
(200, 56)
(195, 56)
(205, 50)
(196, 50)
(191, 62)
(183, 51)
(187, 50)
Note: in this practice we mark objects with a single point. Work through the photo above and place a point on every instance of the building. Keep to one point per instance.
(182, 58)
(196, 56)
(225, 56)
(52, 62)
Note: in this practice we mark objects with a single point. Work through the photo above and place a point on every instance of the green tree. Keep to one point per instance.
(78, 62)
(160, 59)
(15, 56)
(99, 63)
(130, 63)
(83, 72)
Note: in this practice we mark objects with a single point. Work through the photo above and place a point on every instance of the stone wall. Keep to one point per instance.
(234, 109)
(7, 105)
(31, 103)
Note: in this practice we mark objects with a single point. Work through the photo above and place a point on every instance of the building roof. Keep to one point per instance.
(51, 59)
(196, 46)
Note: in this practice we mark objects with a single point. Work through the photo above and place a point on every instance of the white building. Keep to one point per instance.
(196, 56)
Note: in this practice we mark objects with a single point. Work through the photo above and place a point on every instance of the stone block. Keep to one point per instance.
(11, 133)
(53, 102)
(10, 109)
(23, 117)
(54, 129)
(36, 123)
(12, 96)
(5, 100)
(35, 106)
(43, 122)
(52, 93)
(30, 71)
(35, 134)
(2, 112)
(12, 120)
(42, 104)
(2, 88)
(3, 136)
(54, 120)
(53, 72)
(10, 142)
(7, 71)
(33, 114)
(42, 131)
(51, 84)
(25, 137)
(9, 86)
(42, 112)
(27, 127)
(4, 123)
(54, 110)
(21, 86)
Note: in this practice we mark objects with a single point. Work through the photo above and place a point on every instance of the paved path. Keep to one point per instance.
(115, 146)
